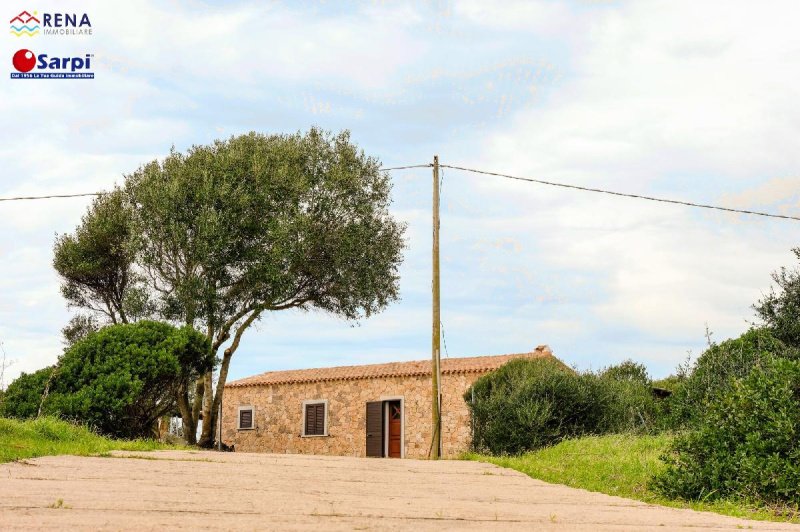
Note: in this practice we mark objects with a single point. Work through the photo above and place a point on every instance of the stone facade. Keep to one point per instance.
(278, 413)
(278, 399)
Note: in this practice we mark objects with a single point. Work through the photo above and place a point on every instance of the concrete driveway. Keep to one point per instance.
(237, 491)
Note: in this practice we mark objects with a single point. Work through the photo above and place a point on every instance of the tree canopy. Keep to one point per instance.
(95, 263)
(256, 223)
(780, 309)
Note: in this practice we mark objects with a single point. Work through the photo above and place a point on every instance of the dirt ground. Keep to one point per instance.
(236, 491)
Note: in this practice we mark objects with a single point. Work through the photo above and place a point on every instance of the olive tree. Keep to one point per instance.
(227, 232)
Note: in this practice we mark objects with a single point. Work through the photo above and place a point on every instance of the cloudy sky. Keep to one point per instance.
(682, 99)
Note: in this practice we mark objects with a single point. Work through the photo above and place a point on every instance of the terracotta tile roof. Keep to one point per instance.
(414, 368)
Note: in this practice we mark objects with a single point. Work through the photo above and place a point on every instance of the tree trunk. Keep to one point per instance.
(212, 407)
(209, 414)
(189, 422)
(197, 404)
(209, 429)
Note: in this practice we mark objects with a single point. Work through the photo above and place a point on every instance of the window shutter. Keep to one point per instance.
(246, 419)
(310, 420)
(315, 419)
(320, 425)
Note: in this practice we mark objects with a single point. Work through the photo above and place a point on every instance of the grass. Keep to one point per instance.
(50, 436)
(620, 465)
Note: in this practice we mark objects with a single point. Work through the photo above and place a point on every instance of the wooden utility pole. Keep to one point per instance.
(436, 395)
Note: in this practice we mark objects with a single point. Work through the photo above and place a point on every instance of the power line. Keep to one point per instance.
(623, 194)
(428, 165)
(52, 196)
(496, 174)
(57, 196)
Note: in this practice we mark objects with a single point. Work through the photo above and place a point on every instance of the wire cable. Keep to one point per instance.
(428, 165)
(57, 196)
(623, 194)
(496, 174)
(52, 196)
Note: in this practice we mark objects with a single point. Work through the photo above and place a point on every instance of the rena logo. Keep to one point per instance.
(66, 24)
(66, 20)
(25, 24)
(50, 67)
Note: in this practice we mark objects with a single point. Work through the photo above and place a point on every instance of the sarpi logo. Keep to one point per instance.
(46, 67)
(25, 24)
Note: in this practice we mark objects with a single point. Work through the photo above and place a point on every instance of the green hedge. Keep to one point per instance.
(24, 395)
(746, 443)
(531, 403)
(718, 367)
(122, 378)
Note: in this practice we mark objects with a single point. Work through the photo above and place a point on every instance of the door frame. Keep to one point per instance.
(386, 399)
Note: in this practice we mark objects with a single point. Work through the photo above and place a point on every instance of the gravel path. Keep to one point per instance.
(238, 491)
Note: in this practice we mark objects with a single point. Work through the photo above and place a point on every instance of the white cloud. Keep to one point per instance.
(680, 99)
(661, 102)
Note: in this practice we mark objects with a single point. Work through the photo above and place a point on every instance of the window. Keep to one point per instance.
(246, 419)
(315, 422)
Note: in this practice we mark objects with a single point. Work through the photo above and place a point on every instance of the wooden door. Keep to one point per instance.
(375, 429)
(395, 429)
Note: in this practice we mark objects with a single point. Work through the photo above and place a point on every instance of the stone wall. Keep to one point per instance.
(279, 415)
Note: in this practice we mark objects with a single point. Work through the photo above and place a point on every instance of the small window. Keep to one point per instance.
(246, 418)
(314, 418)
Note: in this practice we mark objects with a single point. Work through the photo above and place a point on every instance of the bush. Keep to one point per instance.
(670, 383)
(121, 379)
(531, 403)
(627, 371)
(23, 396)
(746, 444)
(716, 369)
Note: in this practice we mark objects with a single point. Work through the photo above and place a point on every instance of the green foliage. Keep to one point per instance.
(96, 263)
(79, 327)
(122, 378)
(718, 367)
(23, 396)
(671, 383)
(627, 371)
(747, 442)
(50, 436)
(531, 403)
(780, 310)
(266, 222)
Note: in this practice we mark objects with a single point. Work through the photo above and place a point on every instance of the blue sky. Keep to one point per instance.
(688, 100)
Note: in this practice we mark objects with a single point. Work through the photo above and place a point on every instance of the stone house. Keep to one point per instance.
(371, 410)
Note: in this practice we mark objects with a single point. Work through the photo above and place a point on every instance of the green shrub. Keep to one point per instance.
(121, 379)
(23, 396)
(716, 369)
(671, 383)
(531, 403)
(747, 441)
(627, 371)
